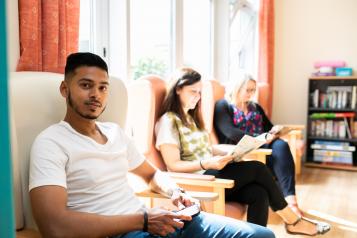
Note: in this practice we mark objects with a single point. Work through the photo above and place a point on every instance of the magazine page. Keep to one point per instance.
(248, 144)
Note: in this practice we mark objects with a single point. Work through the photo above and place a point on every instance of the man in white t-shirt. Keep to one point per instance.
(78, 174)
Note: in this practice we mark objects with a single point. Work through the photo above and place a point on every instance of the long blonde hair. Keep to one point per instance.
(231, 95)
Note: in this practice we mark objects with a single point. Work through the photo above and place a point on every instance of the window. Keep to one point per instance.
(243, 38)
(139, 37)
(197, 35)
(85, 27)
(150, 37)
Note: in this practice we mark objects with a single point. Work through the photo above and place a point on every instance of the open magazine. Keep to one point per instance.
(248, 144)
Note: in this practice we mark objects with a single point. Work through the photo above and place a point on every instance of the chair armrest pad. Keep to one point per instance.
(202, 196)
(191, 176)
(261, 152)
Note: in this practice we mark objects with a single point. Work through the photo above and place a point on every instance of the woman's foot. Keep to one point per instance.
(292, 203)
(304, 226)
(296, 209)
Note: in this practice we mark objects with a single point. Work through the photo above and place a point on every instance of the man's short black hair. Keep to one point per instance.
(79, 59)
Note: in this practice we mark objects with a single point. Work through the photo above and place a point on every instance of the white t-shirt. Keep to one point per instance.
(94, 175)
(166, 133)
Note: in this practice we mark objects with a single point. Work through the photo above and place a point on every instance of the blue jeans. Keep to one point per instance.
(281, 163)
(207, 225)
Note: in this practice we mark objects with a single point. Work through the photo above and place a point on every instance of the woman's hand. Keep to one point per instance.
(217, 162)
(271, 138)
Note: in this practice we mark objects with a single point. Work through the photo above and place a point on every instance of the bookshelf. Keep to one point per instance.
(332, 123)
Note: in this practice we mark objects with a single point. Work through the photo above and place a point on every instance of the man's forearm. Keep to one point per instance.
(163, 184)
(79, 224)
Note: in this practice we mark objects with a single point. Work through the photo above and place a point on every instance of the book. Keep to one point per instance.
(354, 97)
(332, 156)
(331, 115)
(248, 144)
(332, 147)
(349, 134)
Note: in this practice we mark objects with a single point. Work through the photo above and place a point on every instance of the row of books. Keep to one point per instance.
(335, 97)
(333, 125)
(330, 128)
(333, 152)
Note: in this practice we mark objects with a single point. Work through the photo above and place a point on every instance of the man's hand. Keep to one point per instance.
(182, 200)
(162, 222)
(217, 162)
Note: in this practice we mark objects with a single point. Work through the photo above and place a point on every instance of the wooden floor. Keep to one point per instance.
(329, 195)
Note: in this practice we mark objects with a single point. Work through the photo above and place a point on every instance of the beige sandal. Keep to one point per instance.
(321, 227)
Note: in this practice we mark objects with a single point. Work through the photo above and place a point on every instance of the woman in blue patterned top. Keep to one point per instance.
(240, 116)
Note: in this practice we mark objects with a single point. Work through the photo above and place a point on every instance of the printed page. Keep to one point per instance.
(248, 144)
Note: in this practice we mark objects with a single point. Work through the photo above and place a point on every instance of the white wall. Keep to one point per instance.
(13, 47)
(305, 31)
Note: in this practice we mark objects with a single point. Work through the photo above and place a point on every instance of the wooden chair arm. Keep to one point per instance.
(295, 126)
(258, 155)
(217, 183)
(200, 180)
(202, 196)
(191, 176)
(297, 129)
(261, 152)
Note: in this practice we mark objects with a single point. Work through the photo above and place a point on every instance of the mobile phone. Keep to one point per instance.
(192, 211)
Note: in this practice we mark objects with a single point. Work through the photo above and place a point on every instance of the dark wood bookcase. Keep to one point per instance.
(322, 101)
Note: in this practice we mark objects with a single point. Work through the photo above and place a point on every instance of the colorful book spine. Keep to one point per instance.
(331, 115)
(333, 147)
(338, 157)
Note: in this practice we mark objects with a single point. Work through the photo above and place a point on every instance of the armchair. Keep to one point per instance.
(145, 98)
(36, 103)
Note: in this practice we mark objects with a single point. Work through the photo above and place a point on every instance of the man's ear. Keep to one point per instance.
(64, 89)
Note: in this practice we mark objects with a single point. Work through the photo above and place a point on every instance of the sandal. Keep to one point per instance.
(321, 227)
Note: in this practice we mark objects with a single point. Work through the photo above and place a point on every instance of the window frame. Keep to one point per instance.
(106, 21)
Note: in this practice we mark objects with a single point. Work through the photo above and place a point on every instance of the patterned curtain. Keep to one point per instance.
(266, 55)
(49, 32)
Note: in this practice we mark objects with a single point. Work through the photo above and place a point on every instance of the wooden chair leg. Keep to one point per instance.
(219, 204)
(203, 206)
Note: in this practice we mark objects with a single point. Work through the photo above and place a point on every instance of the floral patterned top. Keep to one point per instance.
(252, 123)
(232, 124)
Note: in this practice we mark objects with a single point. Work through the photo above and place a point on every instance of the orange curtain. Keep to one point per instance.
(49, 31)
(266, 55)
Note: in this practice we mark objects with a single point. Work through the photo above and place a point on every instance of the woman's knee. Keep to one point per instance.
(255, 163)
(258, 166)
(280, 145)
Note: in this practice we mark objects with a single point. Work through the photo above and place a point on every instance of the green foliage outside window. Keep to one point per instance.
(150, 66)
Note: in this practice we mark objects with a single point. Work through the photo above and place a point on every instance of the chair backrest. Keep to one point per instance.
(263, 96)
(212, 91)
(146, 96)
(36, 103)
